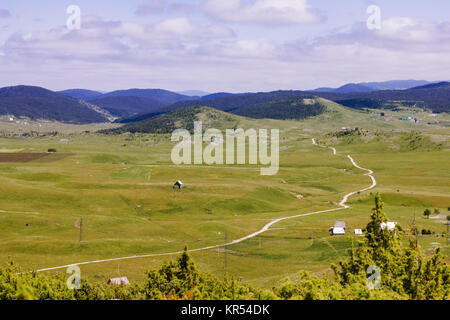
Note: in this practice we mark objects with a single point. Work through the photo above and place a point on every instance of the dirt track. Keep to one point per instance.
(342, 206)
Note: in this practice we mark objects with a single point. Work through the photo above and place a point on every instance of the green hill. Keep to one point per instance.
(228, 103)
(181, 118)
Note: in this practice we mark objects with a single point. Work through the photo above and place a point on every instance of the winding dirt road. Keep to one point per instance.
(342, 206)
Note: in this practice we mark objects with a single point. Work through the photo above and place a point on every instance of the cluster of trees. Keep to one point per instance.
(347, 133)
(402, 272)
(427, 212)
(427, 232)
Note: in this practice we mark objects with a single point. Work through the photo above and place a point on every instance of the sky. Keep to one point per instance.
(221, 45)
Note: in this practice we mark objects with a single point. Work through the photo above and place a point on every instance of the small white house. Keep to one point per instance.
(337, 231)
(119, 281)
(390, 225)
(358, 232)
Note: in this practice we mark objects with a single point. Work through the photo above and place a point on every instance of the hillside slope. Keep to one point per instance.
(125, 106)
(434, 96)
(39, 103)
(227, 103)
(180, 119)
(276, 114)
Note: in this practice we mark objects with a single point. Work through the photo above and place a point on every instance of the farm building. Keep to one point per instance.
(119, 281)
(337, 231)
(358, 232)
(178, 185)
(390, 225)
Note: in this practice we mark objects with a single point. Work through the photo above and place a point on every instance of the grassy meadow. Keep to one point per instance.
(121, 186)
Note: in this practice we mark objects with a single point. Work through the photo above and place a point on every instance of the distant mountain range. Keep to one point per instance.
(375, 86)
(126, 103)
(222, 95)
(224, 102)
(194, 93)
(434, 96)
(40, 103)
(134, 105)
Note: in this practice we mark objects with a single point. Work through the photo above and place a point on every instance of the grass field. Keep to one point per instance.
(122, 188)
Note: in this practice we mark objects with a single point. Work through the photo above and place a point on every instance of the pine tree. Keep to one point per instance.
(404, 271)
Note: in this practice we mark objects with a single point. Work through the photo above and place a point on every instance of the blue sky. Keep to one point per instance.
(218, 45)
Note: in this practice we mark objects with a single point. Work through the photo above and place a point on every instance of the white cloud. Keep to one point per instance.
(409, 30)
(100, 40)
(272, 12)
(184, 27)
(396, 33)
(248, 49)
(181, 53)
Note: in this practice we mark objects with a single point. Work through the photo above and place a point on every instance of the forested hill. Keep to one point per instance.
(181, 118)
(228, 103)
(435, 97)
(294, 108)
(39, 103)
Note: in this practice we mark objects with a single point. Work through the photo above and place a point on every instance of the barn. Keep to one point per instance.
(338, 229)
(178, 185)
